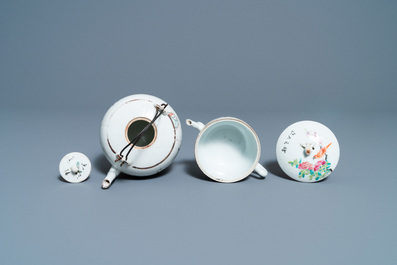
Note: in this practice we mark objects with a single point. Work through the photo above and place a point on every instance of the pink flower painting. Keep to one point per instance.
(306, 165)
(319, 164)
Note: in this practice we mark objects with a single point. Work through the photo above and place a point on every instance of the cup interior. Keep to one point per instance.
(227, 150)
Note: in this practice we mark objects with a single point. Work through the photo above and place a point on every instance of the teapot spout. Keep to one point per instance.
(198, 125)
(112, 174)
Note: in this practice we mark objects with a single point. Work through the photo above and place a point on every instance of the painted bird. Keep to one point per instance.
(322, 152)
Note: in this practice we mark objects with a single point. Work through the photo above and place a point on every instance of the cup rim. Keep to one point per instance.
(258, 153)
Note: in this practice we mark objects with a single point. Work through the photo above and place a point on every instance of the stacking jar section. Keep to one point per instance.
(227, 150)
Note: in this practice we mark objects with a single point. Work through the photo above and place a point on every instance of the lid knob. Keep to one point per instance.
(75, 168)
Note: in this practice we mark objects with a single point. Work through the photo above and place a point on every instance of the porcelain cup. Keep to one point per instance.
(227, 149)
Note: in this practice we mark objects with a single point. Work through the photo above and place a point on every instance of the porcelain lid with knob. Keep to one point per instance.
(307, 151)
(75, 167)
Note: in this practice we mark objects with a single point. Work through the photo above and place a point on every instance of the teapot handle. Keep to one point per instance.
(260, 170)
(198, 125)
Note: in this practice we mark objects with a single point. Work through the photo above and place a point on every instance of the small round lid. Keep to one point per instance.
(75, 167)
(307, 151)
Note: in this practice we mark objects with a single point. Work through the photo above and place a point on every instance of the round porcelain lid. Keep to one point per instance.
(307, 151)
(75, 167)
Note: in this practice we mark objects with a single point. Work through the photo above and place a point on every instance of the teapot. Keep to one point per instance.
(140, 136)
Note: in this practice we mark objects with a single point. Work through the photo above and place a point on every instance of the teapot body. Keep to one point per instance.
(157, 147)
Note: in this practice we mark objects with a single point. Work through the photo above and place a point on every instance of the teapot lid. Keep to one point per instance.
(75, 167)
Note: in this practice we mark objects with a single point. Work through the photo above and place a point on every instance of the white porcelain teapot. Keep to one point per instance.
(140, 136)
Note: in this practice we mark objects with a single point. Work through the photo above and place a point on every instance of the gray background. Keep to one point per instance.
(270, 63)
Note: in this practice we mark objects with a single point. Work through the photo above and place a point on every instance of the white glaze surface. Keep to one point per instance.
(227, 149)
(141, 161)
(75, 167)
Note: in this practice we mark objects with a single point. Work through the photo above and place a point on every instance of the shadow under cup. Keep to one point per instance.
(227, 150)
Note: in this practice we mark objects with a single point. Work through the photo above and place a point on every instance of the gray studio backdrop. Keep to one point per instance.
(270, 63)
(260, 55)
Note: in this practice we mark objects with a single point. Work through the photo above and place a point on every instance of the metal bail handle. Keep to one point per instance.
(159, 110)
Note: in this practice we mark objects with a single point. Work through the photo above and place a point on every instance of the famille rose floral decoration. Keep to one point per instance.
(307, 151)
